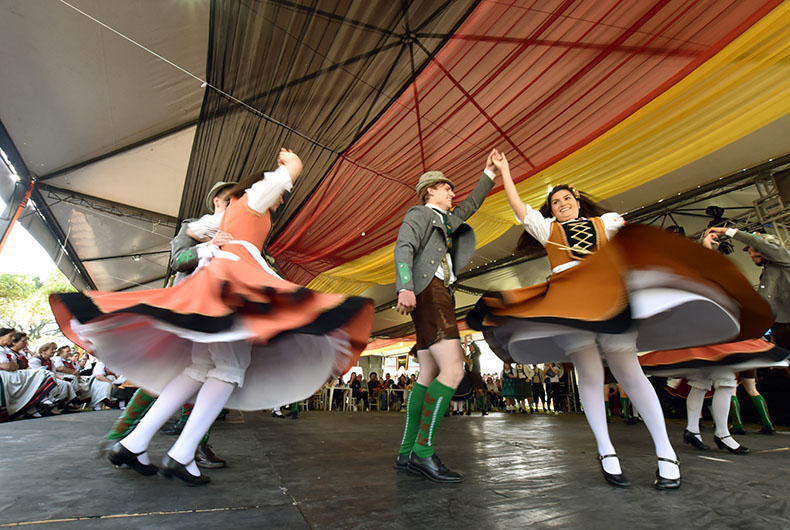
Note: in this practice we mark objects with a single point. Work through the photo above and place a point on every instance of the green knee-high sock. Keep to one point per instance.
(413, 411)
(481, 400)
(735, 412)
(608, 408)
(624, 402)
(139, 404)
(436, 402)
(762, 410)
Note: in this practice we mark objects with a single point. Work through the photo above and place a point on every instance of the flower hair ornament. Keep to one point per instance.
(571, 188)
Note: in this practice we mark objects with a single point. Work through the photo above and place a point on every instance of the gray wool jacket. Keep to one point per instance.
(775, 278)
(422, 240)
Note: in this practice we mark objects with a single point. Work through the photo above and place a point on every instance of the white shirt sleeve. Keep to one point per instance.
(538, 226)
(34, 362)
(612, 222)
(264, 193)
(4, 357)
(206, 227)
(98, 369)
(57, 362)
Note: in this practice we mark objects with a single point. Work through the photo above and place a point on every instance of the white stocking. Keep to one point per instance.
(590, 369)
(694, 403)
(176, 393)
(209, 403)
(721, 412)
(625, 368)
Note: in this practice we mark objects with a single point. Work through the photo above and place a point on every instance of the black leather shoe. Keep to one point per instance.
(171, 468)
(615, 480)
(484, 413)
(205, 458)
(119, 455)
(175, 429)
(738, 430)
(691, 439)
(433, 469)
(662, 483)
(276, 415)
(767, 430)
(740, 450)
(401, 462)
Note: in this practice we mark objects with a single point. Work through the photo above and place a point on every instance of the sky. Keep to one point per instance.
(23, 255)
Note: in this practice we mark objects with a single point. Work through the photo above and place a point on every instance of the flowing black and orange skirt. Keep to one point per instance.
(148, 336)
(667, 290)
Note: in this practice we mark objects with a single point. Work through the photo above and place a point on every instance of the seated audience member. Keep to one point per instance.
(377, 391)
(102, 384)
(18, 346)
(61, 361)
(338, 395)
(25, 392)
(398, 396)
(66, 369)
(64, 396)
(356, 384)
(85, 364)
(43, 359)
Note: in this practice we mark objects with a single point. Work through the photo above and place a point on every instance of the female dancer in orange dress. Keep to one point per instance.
(614, 291)
(233, 334)
(713, 366)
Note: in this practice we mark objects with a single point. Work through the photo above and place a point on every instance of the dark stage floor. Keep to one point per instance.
(330, 470)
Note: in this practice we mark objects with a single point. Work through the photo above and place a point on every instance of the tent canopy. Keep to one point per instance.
(127, 112)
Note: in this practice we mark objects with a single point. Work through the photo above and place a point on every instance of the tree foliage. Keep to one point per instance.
(25, 304)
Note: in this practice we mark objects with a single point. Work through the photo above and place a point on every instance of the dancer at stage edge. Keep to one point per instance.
(712, 366)
(233, 334)
(614, 290)
(434, 245)
(183, 260)
(766, 251)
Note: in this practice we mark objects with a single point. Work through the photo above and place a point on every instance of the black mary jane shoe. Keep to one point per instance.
(615, 480)
(119, 455)
(740, 450)
(663, 483)
(172, 468)
(402, 462)
(433, 469)
(766, 430)
(691, 439)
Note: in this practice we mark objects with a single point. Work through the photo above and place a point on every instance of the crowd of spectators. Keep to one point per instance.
(528, 388)
(52, 380)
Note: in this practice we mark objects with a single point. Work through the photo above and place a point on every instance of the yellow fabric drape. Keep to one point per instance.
(739, 90)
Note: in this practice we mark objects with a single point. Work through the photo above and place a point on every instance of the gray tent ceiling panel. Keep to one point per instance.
(149, 177)
(118, 245)
(129, 272)
(31, 220)
(98, 234)
(73, 90)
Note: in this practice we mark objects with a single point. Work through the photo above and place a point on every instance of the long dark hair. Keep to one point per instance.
(587, 208)
(239, 188)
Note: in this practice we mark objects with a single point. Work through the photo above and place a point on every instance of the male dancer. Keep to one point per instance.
(183, 260)
(767, 252)
(434, 245)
